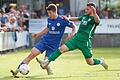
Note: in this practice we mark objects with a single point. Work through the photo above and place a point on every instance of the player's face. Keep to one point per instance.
(88, 10)
(51, 14)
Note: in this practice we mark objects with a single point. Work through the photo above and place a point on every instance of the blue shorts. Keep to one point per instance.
(42, 46)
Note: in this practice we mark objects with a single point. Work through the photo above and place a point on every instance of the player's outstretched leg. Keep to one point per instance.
(32, 55)
(54, 56)
(95, 61)
(49, 70)
(103, 63)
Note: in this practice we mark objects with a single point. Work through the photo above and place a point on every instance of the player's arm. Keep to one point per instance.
(73, 27)
(74, 19)
(40, 33)
(96, 17)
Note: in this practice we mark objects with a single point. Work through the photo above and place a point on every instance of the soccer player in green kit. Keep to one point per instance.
(82, 39)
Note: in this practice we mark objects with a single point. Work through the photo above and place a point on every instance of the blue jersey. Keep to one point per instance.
(51, 40)
(56, 30)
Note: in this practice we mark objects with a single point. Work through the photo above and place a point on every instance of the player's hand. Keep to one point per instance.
(70, 36)
(34, 35)
(5, 29)
(93, 9)
(12, 28)
(65, 17)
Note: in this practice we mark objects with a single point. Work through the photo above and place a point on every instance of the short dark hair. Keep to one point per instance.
(91, 4)
(51, 7)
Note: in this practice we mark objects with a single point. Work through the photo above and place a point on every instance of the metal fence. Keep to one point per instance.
(106, 40)
(12, 40)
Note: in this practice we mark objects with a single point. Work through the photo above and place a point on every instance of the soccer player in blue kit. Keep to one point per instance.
(51, 37)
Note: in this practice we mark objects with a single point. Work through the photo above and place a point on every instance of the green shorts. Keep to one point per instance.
(84, 46)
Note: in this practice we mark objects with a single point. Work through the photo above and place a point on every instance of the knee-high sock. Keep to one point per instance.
(54, 55)
(96, 61)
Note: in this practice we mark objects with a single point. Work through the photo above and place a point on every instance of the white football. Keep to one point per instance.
(24, 69)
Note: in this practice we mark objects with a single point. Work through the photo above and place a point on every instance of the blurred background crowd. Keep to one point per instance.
(13, 18)
(15, 14)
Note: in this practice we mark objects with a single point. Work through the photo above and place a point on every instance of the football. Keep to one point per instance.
(24, 69)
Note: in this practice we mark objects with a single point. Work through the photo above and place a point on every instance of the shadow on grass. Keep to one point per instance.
(34, 77)
(109, 70)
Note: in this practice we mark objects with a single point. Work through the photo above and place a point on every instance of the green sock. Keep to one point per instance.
(96, 61)
(54, 55)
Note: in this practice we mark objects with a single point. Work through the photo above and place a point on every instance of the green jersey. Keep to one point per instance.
(86, 28)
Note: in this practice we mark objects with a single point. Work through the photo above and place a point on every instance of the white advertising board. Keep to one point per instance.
(37, 25)
(106, 26)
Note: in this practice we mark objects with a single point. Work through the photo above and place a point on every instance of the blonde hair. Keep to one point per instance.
(52, 7)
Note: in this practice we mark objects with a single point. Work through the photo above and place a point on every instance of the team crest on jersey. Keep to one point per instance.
(53, 28)
(49, 23)
(58, 24)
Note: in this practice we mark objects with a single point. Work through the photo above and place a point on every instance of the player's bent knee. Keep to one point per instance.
(90, 63)
(34, 52)
(63, 49)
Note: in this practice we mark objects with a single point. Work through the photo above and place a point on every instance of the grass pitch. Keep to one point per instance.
(69, 66)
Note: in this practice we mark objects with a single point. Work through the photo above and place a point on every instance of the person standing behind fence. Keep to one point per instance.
(13, 26)
(24, 16)
(24, 21)
(4, 19)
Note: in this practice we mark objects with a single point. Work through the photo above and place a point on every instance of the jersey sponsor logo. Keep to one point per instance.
(54, 32)
(58, 24)
(85, 22)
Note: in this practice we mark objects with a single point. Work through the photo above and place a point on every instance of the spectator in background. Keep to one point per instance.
(43, 11)
(4, 19)
(105, 13)
(13, 24)
(14, 20)
(62, 9)
(99, 13)
(24, 17)
(4, 7)
(49, 2)
(34, 15)
(13, 10)
(82, 12)
(37, 8)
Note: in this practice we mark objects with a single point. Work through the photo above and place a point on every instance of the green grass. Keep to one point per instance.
(70, 66)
